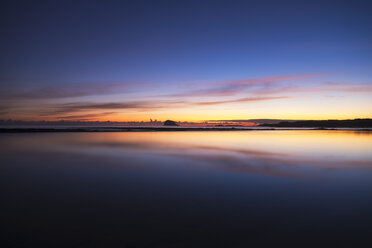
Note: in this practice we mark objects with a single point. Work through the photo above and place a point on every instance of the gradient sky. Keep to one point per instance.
(185, 60)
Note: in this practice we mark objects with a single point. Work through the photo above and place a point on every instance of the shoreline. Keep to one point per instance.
(164, 129)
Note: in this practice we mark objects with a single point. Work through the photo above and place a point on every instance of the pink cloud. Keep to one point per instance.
(247, 99)
(331, 87)
(264, 80)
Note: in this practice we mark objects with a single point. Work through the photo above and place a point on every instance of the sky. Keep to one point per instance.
(185, 60)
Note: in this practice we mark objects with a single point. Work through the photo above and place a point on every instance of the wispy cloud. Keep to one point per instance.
(69, 108)
(226, 90)
(265, 80)
(247, 99)
(323, 87)
(75, 90)
(252, 86)
(86, 116)
(59, 109)
(199, 95)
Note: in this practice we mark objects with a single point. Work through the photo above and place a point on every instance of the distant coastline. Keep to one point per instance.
(356, 123)
(159, 129)
(35, 127)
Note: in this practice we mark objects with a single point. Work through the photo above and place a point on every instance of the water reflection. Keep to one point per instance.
(286, 153)
(186, 189)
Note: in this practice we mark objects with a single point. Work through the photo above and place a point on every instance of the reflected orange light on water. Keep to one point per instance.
(307, 141)
(268, 152)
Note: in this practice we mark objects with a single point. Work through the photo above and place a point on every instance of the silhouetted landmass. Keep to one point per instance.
(118, 129)
(256, 121)
(170, 123)
(356, 123)
(87, 123)
(78, 123)
(144, 129)
(228, 125)
(61, 126)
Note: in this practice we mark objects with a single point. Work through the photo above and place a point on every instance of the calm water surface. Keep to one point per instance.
(186, 189)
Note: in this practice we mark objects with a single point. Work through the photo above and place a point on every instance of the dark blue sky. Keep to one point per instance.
(50, 43)
(181, 40)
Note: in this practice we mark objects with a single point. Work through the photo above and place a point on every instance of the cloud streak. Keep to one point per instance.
(44, 101)
(75, 90)
(86, 116)
(267, 79)
(324, 87)
(69, 108)
(222, 88)
(241, 100)
(250, 86)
